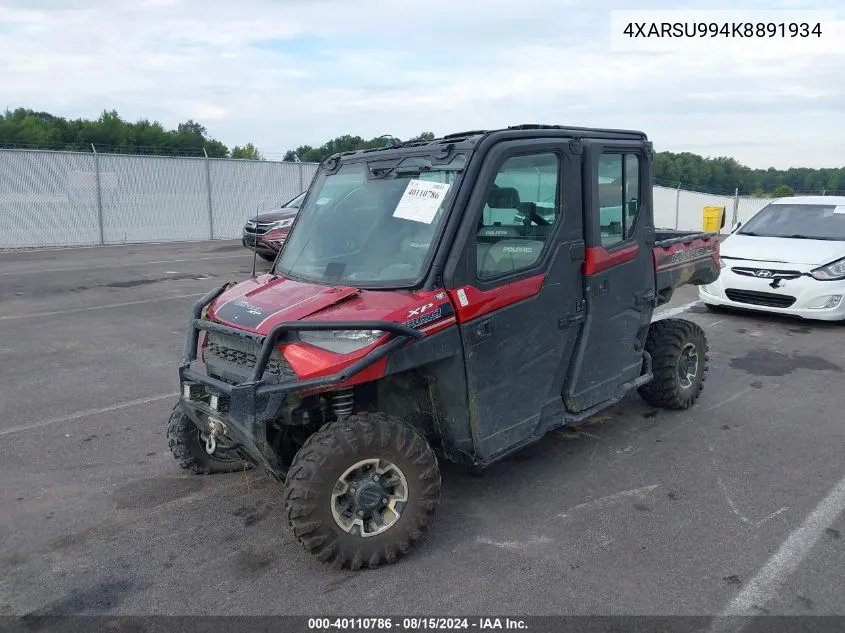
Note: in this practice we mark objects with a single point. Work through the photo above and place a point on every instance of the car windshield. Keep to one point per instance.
(799, 221)
(370, 224)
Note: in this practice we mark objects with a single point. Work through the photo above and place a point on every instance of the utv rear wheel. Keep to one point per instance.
(188, 447)
(362, 491)
(679, 355)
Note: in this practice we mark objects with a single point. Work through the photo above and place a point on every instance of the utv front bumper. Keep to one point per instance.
(246, 408)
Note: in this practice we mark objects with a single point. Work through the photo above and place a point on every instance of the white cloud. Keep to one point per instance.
(281, 74)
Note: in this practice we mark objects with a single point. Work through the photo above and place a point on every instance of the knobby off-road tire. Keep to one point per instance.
(676, 383)
(186, 445)
(323, 468)
(267, 258)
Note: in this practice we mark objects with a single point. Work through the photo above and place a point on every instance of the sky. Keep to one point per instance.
(282, 73)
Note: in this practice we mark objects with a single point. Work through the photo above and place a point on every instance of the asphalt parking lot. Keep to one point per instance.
(733, 506)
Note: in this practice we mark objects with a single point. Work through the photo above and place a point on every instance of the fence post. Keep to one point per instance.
(301, 178)
(736, 207)
(677, 205)
(208, 193)
(99, 195)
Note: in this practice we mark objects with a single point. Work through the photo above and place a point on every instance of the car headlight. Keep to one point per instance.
(340, 341)
(831, 272)
(281, 224)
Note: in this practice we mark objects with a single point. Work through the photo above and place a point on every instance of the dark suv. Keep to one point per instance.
(266, 232)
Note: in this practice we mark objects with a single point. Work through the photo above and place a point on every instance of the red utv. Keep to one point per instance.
(455, 299)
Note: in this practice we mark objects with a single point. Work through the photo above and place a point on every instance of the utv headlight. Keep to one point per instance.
(831, 272)
(340, 341)
(281, 224)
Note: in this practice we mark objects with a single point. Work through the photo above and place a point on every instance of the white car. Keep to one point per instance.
(789, 258)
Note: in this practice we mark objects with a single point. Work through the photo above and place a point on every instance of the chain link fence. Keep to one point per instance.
(53, 198)
(50, 198)
(678, 208)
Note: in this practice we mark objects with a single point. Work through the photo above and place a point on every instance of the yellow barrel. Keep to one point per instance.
(713, 219)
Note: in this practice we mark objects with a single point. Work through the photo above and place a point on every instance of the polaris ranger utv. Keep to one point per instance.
(454, 298)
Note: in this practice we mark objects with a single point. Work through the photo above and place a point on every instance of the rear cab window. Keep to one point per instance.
(618, 196)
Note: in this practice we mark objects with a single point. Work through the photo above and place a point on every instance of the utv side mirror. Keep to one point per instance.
(735, 227)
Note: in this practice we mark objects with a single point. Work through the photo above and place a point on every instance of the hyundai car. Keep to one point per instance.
(789, 258)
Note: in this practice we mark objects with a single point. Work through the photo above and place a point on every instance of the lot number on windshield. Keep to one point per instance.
(421, 200)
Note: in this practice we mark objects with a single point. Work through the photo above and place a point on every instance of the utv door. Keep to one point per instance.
(618, 272)
(515, 280)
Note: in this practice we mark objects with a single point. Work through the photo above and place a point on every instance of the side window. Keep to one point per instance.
(618, 196)
(520, 214)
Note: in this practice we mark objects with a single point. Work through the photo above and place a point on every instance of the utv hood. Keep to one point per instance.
(257, 305)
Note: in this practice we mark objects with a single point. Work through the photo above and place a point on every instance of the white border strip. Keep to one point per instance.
(765, 585)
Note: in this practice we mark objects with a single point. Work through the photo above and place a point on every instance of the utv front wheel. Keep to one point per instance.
(362, 491)
(188, 447)
(679, 355)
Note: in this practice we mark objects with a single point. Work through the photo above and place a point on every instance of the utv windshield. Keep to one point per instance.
(798, 221)
(370, 224)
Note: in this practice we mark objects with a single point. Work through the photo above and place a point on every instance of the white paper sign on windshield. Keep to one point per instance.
(839, 209)
(421, 200)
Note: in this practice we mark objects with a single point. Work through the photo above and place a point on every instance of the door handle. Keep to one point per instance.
(483, 329)
(570, 320)
(603, 287)
(577, 316)
(645, 297)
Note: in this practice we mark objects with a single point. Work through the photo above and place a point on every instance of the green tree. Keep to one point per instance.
(248, 152)
(345, 143)
(782, 191)
(109, 132)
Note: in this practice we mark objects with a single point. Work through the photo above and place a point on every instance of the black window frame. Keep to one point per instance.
(501, 158)
(628, 232)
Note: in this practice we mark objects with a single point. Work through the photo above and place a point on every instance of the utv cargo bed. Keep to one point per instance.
(682, 258)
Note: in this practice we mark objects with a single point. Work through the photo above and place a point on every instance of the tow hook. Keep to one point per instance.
(217, 429)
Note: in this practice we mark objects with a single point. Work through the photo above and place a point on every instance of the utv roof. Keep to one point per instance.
(469, 139)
